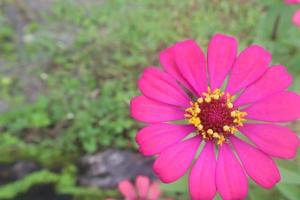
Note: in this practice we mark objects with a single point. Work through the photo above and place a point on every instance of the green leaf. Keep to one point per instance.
(256, 192)
(12, 189)
(292, 192)
(180, 186)
(289, 177)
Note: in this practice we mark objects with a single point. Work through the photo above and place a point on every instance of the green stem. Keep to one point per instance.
(275, 28)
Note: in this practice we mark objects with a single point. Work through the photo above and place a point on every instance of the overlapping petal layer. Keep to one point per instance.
(146, 110)
(155, 138)
(191, 62)
(173, 162)
(167, 60)
(161, 87)
(221, 54)
(202, 182)
(260, 167)
(274, 140)
(249, 66)
(231, 180)
(274, 80)
(280, 107)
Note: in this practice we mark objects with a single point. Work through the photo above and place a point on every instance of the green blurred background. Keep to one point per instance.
(69, 69)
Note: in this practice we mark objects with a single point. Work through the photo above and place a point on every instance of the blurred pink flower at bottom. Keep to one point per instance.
(296, 18)
(142, 190)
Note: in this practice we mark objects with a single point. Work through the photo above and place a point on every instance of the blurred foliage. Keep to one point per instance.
(64, 183)
(86, 59)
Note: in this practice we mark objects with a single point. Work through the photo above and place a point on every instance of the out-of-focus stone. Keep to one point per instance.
(18, 170)
(4, 107)
(106, 169)
(22, 168)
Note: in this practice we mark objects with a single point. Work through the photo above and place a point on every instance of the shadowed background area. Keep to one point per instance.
(68, 69)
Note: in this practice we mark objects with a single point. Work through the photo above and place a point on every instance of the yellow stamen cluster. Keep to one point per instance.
(239, 117)
(194, 111)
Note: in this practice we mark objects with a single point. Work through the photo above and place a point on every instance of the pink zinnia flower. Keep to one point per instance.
(189, 90)
(142, 190)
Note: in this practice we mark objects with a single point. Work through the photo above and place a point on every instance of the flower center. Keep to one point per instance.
(214, 116)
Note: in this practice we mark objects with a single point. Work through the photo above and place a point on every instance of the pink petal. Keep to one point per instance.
(248, 67)
(155, 138)
(147, 110)
(260, 167)
(274, 140)
(190, 60)
(160, 86)
(281, 107)
(167, 59)
(127, 189)
(292, 1)
(202, 177)
(221, 55)
(142, 185)
(230, 177)
(154, 191)
(296, 18)
(275, 79)
(173, 162)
